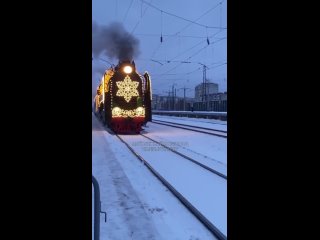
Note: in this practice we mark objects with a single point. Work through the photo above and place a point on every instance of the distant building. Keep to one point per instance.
(216, 102)
(161, 102)
(217, 97)
(213, 101)
(203, 90)
(171, 103)
(208, 98)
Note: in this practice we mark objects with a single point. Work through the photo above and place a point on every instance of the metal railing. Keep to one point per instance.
(97, 209)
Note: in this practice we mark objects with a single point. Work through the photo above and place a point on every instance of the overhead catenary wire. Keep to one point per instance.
(142, 15)
(212, 66)
(168, 61)
(125, 16)
(161, 29)
(193, 71)
(196, 53)
(220, 15)
(202, 41)
(217, 66)
(167, 35)
(182, 18)
(165, 58)
(101, 59)
(185, 27)
(170, 74)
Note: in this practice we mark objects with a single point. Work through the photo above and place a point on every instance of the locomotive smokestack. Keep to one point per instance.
(114, 41)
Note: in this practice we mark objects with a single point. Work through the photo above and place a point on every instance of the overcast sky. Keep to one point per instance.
(183, 41)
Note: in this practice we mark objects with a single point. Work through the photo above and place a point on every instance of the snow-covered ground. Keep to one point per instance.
(137, 204)
(204, 190)
(206, 149)
(198, 122)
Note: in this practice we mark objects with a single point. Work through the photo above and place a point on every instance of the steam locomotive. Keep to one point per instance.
(123, 98)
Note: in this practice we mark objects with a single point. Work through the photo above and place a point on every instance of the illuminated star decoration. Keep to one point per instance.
(127, 89)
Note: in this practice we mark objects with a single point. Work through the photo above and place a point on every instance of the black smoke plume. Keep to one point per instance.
(114, 41)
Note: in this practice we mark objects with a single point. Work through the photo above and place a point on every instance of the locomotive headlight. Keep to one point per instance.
(127, 69)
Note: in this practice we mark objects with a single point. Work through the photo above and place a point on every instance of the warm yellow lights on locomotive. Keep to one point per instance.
(138, 112)
(127, 88)
(127, 69)
(116, 112)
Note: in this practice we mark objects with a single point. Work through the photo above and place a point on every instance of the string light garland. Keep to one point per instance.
(118, 112)
(127, 89)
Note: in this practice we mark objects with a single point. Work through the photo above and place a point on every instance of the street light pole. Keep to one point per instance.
(204, 85)
(184, 98)
(173, 96)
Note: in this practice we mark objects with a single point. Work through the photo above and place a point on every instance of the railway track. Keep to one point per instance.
(186, 157)
(188, 119)
(214, 132)
(202, 218)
